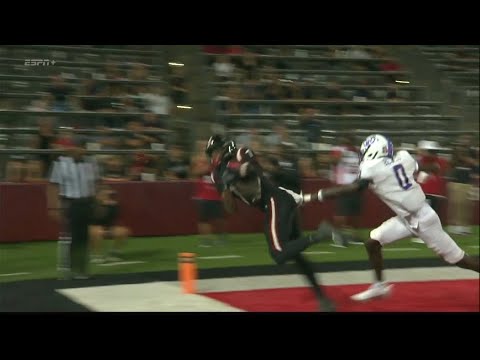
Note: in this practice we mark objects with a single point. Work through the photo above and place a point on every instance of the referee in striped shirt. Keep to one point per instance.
(72, 188)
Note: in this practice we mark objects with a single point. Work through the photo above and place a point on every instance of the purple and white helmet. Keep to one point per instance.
(376, 146)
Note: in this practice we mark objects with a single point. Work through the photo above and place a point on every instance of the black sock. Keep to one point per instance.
(307, 269)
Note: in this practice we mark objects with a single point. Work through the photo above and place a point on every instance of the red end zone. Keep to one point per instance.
(424, 296)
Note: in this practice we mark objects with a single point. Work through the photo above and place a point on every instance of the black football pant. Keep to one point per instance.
(284, 238)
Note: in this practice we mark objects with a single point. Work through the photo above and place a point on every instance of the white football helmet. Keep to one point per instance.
(376, 146)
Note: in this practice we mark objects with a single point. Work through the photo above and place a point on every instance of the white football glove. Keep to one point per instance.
(297, 197)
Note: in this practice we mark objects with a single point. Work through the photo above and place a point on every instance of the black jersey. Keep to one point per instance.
(251, 188)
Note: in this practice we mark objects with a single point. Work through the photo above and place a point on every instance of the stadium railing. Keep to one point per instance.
(86, 48)
(447, 48)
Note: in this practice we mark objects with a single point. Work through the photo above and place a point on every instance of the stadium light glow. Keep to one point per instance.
(402, 81)
(183, 107)
(175, 64)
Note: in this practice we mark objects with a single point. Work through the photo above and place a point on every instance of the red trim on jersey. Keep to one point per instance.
(233, 165)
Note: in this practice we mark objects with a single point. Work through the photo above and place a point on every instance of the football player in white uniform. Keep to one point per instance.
(391, 178)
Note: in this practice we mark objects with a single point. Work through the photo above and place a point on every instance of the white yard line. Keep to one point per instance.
(122, 263)
(402, 249)
(219, 257)
(318, 252)
(16, 274)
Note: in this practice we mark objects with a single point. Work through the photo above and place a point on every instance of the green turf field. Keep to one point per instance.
(38, 259)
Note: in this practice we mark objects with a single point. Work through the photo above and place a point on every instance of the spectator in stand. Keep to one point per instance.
(309, 124)
(177, 166)
(235, 50)
(106, 139)
(138, 72)
(44, 103)
(306, 167)
(112, 72)
(232, 106)
(152, 121)
(156, 100)
(357, 52)
(136, 138)
(273, 91)
(224, 68)
(214, 49)
(284, 170)
(306, 91)
(362, 94)
(142, 167)
(60, 92)
(64, 139)
(44, 140)
(282, 63)
(248, 137)
(114, 169)
(278, 136)
(268, 75)
(249, 64)
(334, 91)
(91, 87)
(127, 105)
(178, 85)
(392, 93)
(391, 66)
(141, 163)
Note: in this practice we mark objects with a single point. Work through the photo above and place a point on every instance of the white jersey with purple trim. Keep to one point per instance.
(393, 182)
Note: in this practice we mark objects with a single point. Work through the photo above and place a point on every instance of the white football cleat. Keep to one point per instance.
(374, 291)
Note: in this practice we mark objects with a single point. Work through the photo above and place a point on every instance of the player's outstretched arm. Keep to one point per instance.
(334, 191)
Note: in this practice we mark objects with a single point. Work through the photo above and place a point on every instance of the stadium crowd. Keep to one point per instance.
(137, 102)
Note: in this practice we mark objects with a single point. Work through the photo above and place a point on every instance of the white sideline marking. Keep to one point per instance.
(167, 296)
(148, 297)
(474, 246)
(122, 263)
(219, 257)
(318, 252)
(402, 249)
(16, 274)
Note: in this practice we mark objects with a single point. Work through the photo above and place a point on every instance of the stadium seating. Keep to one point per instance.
(345, 88)
(459, 65)
(349, 87)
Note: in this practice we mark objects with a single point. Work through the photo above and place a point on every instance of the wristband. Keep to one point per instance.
(319, 195)
(307, 198)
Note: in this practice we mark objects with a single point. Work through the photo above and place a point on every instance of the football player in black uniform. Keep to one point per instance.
(237, 174)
